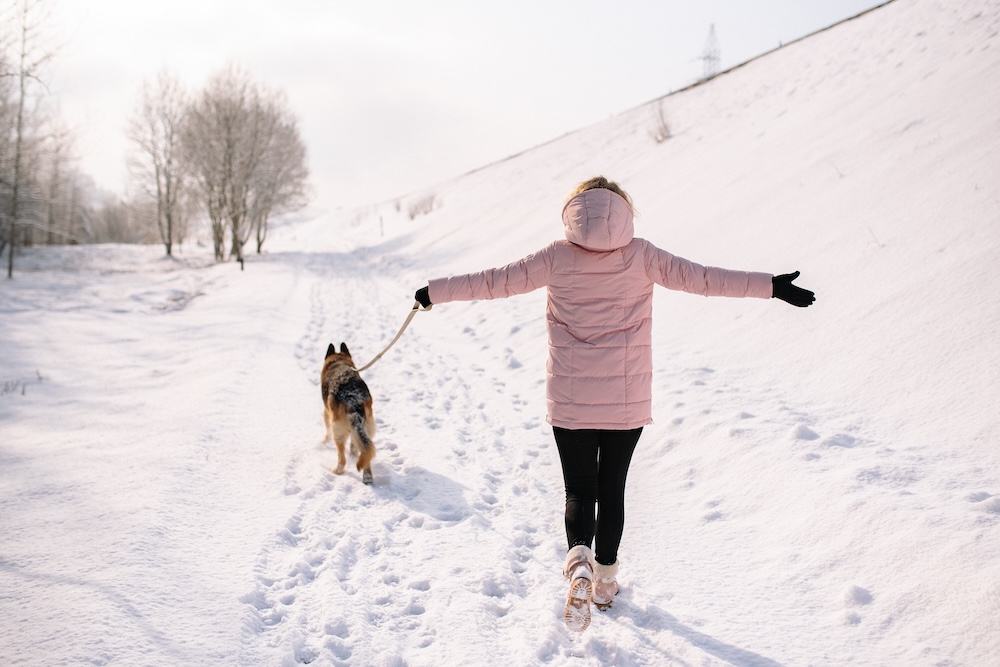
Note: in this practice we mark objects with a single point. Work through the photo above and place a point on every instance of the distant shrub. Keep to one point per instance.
(661, 127)
(423, 206)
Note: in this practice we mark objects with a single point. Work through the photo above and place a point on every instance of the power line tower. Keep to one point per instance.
(711, 55)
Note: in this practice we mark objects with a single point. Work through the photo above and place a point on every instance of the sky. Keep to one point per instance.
(395, 96)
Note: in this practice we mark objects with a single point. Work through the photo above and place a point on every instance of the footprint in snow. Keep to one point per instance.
(803, 432)
(853, 598)
(986, 502)
(856, 596)
(840, 440)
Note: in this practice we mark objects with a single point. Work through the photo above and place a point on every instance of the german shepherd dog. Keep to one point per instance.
(347, 410)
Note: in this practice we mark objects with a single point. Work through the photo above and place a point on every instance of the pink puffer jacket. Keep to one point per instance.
(599, 312)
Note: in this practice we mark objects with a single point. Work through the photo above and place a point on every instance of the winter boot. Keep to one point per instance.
(579, 570)
(605, 585)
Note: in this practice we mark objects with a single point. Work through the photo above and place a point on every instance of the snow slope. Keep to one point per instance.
(821, 486)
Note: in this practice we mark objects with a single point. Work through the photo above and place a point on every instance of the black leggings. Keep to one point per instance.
(595, 464)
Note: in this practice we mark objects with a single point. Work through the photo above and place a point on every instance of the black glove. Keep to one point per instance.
(423, 297)
(786, 291)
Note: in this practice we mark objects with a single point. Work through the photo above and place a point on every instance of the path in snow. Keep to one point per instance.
(457, 547)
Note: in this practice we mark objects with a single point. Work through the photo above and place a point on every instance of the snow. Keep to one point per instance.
(821, 486)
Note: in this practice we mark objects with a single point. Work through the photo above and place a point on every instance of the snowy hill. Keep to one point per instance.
(821, 486)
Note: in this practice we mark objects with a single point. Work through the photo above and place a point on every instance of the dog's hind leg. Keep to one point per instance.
(365, 466)
(328, 424)
(340, 433)
(364, 430)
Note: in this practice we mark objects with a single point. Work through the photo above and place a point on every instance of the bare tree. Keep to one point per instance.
(55, 181)
(155, 131)
(244, 151)
(280, 183)
(8, 107)
(24, 18)
(58, 168)
(213, 149)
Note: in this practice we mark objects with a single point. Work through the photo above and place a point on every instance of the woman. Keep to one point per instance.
(600, 367)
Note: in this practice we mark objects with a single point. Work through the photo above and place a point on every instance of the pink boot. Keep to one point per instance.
(579, 570)
(605, 585)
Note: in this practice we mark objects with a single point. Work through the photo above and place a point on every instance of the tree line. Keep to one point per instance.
(228, 156)
(232, 150)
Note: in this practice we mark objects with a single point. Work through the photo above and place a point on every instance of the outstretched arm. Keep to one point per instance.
(519, 277)
(677, 273)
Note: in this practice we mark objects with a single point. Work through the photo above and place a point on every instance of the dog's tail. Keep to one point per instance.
(360, 420)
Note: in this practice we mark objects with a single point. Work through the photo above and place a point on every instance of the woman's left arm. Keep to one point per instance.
(681, 274)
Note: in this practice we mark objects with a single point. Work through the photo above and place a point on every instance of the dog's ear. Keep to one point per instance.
(344, 350)
(330, 351)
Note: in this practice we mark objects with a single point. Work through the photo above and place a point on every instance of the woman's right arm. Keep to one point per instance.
(520, 277)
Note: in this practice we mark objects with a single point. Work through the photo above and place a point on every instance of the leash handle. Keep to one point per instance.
(409, 318)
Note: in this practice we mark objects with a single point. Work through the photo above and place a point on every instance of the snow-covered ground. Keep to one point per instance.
(821, 486)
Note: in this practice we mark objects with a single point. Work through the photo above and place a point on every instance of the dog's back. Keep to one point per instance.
(347, 409)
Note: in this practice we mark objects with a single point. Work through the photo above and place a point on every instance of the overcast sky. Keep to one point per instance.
(396, 95)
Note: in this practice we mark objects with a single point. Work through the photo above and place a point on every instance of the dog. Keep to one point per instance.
(347, 410)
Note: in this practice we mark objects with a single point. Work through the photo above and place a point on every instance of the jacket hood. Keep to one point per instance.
(598, 220)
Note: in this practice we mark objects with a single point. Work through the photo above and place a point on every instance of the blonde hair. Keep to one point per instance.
(601, 182)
